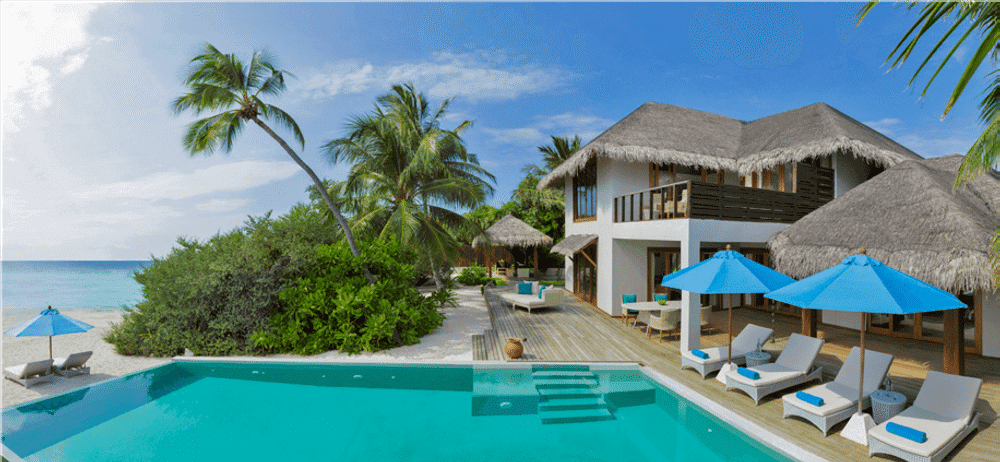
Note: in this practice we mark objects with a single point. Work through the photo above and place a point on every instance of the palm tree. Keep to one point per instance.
(217, 82)
(984, 153)
(409, 169)
(984, 16)
(562, 148)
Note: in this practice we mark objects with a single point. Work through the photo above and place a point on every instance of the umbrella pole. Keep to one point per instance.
(50, 347)
(730, 329)
(861, 376)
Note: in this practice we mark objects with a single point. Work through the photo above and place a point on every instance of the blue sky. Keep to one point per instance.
(92, 161)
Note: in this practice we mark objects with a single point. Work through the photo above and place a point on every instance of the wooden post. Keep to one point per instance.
(809, 322)
(954, 342)
(537, 276)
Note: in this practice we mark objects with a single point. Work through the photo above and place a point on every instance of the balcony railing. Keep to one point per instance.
(703, 200)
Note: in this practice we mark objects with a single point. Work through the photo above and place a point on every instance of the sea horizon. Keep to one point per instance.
(30, 286)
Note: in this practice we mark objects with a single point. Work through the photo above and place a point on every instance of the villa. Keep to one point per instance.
(668, 186)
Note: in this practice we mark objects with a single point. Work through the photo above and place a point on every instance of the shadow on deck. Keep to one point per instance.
(577, 331)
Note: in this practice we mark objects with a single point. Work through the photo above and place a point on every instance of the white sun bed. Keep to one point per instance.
(793, 367)
(747, 341)
(30, 373)
(840, 397)
(550, 297)
(72, 365)
(944, 410)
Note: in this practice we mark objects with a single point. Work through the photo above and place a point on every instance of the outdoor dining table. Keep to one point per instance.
(654, 306)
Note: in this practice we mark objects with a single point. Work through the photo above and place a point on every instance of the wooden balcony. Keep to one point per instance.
(704, 200)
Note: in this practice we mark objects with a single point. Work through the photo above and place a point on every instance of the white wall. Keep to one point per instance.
(842, 319)
(991, 324)
(849, 171)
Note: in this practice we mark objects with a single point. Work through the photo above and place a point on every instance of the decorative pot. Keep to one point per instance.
(514, 348)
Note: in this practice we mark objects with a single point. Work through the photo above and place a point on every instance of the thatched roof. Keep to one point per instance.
(511, 232)
(908, 218)
(572, 243)
(670, 134)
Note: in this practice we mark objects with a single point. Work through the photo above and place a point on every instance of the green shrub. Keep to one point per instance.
(212, 296)
(553, 283)
(473, 276)
(332, 307)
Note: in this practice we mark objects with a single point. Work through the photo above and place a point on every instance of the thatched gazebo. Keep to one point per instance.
(663, 133)
(908, 218)
(512, 232)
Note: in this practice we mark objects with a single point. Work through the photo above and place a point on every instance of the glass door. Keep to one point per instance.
(661, 262)
(585, 274)
(930, 326)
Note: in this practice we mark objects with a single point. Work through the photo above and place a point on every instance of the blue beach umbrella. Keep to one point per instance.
(47, 324)
(863, 284)
(727, 272)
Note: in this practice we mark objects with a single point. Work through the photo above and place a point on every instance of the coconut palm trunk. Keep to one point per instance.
(334, 209)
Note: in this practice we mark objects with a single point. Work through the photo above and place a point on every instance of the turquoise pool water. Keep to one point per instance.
(233, 411)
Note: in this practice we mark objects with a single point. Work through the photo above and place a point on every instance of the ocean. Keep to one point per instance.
(28, 287)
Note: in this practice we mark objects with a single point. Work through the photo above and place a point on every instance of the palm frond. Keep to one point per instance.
(281, 118)
(983, 155)
(208, 134)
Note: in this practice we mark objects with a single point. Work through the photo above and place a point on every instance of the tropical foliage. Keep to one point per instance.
(212, 296)
(331, 307)
(978, 16)
(407, 172)
(221, 82)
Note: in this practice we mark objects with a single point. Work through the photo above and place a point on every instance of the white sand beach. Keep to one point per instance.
(450, 342)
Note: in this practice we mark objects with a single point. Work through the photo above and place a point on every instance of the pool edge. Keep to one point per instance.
(765, 436)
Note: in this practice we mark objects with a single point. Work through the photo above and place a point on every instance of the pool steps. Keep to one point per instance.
(569, 394)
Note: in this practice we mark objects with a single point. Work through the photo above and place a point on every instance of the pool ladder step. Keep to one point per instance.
(569, 394)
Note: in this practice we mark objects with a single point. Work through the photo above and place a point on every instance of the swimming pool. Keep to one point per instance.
(218, 411)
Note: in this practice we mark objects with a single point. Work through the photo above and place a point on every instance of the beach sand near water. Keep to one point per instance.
(450, 342)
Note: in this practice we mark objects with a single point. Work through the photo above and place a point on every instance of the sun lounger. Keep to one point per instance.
(72, 365)
(744, 343)
(27, 374)
(793, 367)
(550, 297)
(943, 410)
(840, 397)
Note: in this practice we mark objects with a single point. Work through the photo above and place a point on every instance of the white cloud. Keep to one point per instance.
(37, 40)
(884, 126)
(221, 205)
(480, 76)
(936, 146)
(586, 126)
(236, 176)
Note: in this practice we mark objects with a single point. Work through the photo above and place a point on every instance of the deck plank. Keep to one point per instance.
(577, 331)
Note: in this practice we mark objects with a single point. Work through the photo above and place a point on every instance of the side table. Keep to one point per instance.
(756, 358)
(886, 404)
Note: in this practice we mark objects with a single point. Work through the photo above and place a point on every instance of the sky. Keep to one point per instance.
(93, 167)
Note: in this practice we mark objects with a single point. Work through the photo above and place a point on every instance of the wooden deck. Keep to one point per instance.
(577, 331)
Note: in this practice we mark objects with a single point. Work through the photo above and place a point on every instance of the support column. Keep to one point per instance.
(690, 303)
(809, 322)
(954, 342)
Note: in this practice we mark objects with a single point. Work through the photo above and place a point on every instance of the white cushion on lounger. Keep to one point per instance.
(943, 395)
(836, 397)
(744, 343)
(939, 429)
(769, 373)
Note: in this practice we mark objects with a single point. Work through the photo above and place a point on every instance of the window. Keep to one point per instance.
(585, 192)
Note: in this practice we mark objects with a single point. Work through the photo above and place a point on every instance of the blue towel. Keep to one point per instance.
(906, 432)
(748, 373)
(699, 353)
(630, 298)
(811, 399)
(524, 288)
(540, 289)
(659, 297)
